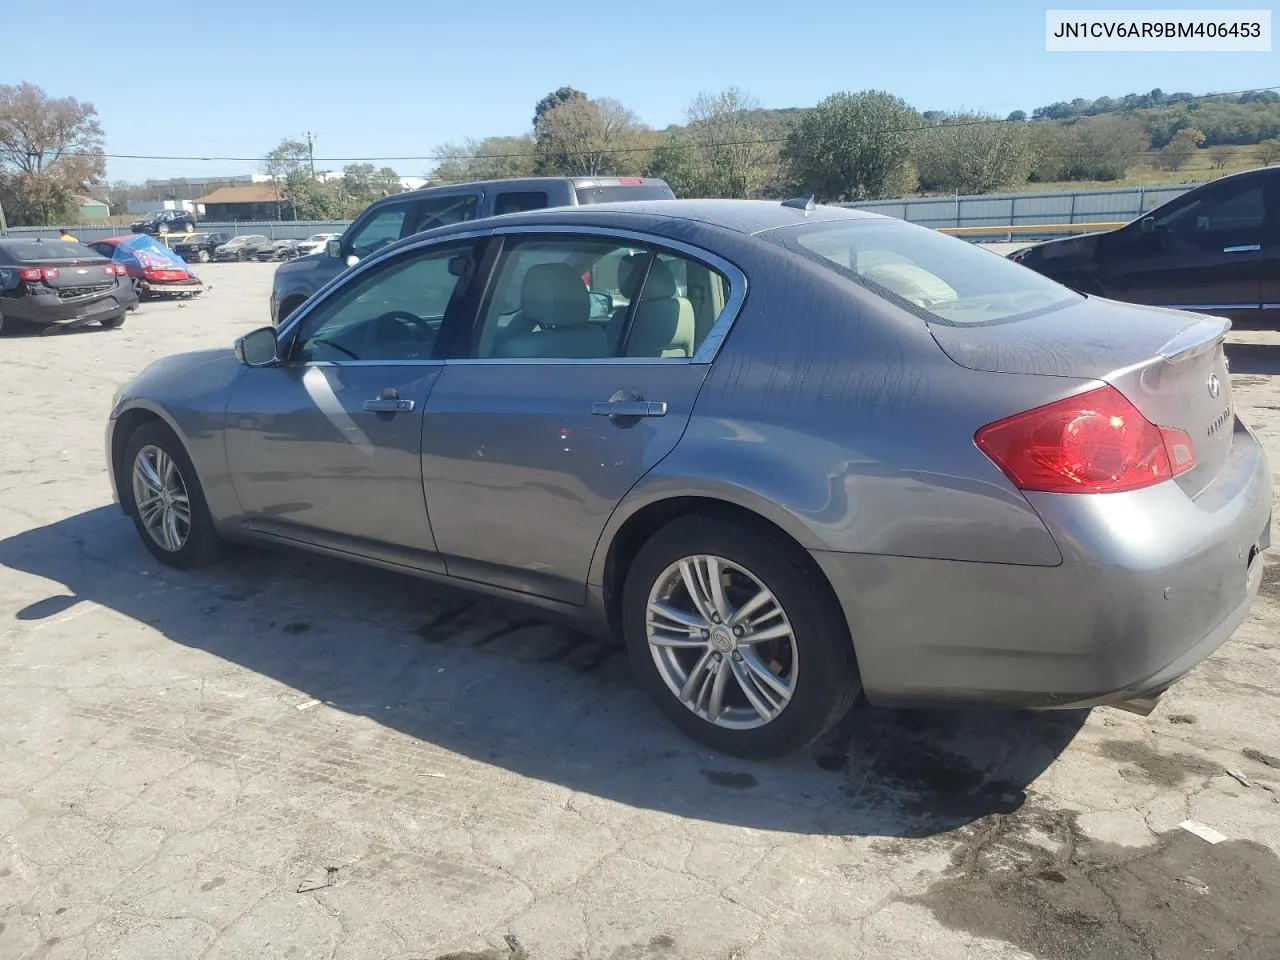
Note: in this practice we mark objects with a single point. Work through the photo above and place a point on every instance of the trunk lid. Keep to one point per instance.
(76, 276)
(1169, 364)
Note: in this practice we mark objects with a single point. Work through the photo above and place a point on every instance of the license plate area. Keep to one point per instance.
(92, 308)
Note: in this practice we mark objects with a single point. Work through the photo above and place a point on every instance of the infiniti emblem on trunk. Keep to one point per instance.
(1214, 385)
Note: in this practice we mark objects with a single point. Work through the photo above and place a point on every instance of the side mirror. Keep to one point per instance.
(258, 348)
(1148, 225)
(334, 249)
(601, 305)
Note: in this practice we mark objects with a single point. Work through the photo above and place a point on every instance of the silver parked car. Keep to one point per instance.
(788, 452)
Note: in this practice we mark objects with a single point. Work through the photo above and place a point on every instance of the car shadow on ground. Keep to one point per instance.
(1253, 358)
(498, 685)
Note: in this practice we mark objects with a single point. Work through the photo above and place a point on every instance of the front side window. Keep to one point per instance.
(392, 313)
(382, 228)
(597, 298)
(948, 280)
(1234, 214)
(442, 211)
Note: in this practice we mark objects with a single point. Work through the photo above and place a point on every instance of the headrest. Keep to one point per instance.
(553, 295)
(630, 273)
(661, 284)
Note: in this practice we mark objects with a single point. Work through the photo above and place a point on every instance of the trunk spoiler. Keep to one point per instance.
(1200, 338)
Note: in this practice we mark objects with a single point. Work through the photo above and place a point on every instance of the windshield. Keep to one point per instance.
(624, 192)
(950, 281)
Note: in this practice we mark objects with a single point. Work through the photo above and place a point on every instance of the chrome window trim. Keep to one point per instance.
(707, 350)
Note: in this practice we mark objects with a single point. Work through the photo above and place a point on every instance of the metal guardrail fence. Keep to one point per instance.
(1026, 209)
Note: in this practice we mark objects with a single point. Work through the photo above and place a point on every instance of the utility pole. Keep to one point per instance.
(311, 153)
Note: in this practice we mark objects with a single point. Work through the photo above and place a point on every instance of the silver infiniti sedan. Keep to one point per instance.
(789, 453)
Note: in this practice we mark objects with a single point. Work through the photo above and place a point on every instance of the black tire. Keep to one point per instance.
(242, 256)
(202, 545)
(188, 228)
(826, 681)
(113, 323)
(203, 256)
(162, 228)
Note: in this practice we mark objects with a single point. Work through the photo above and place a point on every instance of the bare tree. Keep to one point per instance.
(492, 158)
(50, 150)
(723, 152)
(972, 153)
(588, 138)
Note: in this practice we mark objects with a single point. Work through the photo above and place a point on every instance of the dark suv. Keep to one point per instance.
(200, 246)
(386, 221)
(165, 221)
(1214, 249)
(58, 283)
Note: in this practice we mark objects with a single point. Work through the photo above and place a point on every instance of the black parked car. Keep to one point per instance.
(165, 221)
(1214, 249)
(199, 247)
(61, 283)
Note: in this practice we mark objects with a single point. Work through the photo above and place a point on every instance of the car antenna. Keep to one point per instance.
(804, 203)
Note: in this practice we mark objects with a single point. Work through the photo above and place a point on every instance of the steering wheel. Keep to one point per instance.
(397, 320)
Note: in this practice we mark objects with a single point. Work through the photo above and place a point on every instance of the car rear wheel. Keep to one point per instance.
(242, 256)
(733, 634)
(113, 323)
(188, 228)
(203, 256)
(166, 502)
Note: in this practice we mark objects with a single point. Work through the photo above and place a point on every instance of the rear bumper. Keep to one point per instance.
(52, 310)
(1151, 583)
(171, 288)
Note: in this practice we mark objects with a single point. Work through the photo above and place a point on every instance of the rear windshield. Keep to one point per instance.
(947, 280)
(624, 192)
(37, 250)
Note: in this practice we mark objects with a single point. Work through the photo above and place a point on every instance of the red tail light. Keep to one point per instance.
(1096, 442)
(36, 274)
(119, 269)
(630, 181)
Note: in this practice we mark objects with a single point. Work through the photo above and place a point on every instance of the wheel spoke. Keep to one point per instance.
(145, 471)
(744, 612)
(763, 674)
(769, 633)
(714, 586)
(755, 696)
(715, 706)
(692, 583)
(696, 676)
(171, 537)
(674, 617)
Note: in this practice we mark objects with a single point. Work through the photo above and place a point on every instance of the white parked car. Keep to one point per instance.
(316, 243)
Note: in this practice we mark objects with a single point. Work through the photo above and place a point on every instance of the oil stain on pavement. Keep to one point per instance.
(1045, 888)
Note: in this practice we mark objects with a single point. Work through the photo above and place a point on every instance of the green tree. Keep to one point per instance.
(50, 151)
(723, 152)
(1269, 151)
(854, 146)
(1220, 156)
(1179, 150)
(300, 194)
(590, 138)
(492, 158)
(1090, 148)
(552, 100)
(971, 153)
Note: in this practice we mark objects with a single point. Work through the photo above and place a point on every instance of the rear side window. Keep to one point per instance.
(947, 280)
(442, 211)
(517, 202)
(381, 229)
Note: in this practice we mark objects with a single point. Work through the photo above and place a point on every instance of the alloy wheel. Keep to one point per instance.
(722, 642)
(161, 499)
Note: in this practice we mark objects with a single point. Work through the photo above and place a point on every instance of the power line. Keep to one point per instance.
(916, 128)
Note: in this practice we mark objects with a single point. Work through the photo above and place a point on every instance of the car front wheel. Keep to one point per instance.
(733, 634)
(163, 228)
(166, 501)
(203, 256)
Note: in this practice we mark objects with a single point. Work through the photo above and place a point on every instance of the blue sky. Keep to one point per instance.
(399, 78)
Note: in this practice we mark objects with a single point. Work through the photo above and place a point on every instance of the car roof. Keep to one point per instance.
(738, 216)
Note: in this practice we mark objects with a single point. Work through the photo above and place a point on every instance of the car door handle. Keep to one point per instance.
(388, 405)
(1243, 248)
(629, 408)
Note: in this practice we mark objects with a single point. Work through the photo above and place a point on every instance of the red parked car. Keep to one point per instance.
(154, 269)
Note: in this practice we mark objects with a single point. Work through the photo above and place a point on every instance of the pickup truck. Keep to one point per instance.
(404, 214)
